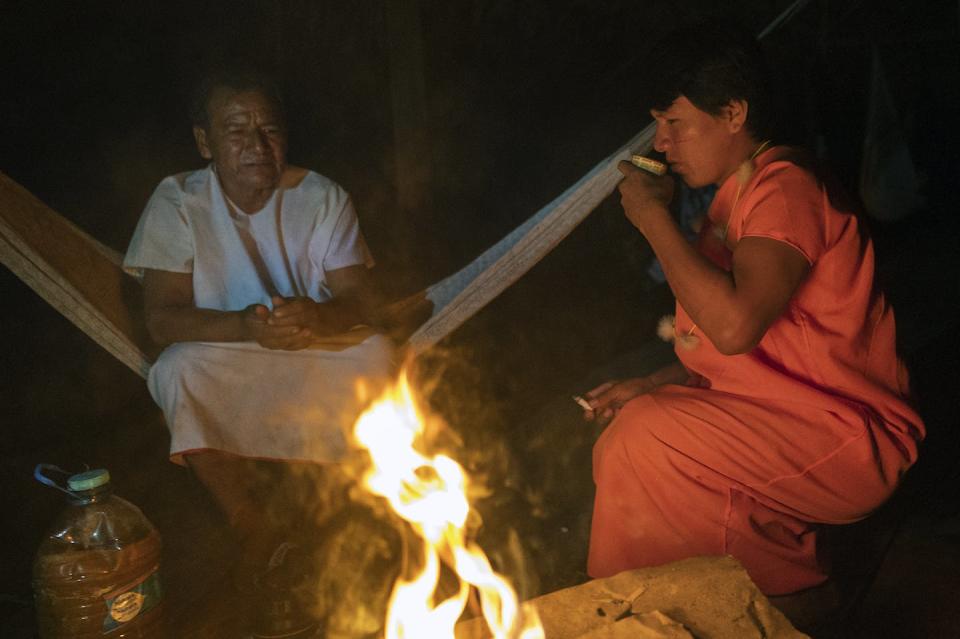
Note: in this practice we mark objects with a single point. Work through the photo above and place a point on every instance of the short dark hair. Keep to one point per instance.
(711, 63)
(237, 79)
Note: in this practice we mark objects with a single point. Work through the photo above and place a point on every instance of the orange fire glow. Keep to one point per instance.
(430, 494)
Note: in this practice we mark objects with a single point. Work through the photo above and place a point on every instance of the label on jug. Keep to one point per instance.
(132, 600)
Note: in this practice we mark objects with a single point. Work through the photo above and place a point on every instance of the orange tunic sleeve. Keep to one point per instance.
(784, 205)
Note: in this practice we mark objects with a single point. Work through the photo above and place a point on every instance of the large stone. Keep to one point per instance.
(706, 597)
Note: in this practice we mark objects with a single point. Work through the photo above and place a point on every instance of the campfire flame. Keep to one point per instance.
(430, 494)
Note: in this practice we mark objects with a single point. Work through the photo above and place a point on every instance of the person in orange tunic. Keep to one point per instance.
(788, 407)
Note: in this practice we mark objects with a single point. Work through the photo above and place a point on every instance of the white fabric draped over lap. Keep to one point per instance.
(243, 399)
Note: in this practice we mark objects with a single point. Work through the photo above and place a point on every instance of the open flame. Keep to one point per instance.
(430, 494)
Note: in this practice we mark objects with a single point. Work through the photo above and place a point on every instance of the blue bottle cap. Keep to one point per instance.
(89, 480)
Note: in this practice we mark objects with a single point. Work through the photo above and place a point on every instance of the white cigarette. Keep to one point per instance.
(583, 403)
(648, 165)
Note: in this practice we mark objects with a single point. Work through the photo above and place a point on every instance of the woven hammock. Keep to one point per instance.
(83, 280)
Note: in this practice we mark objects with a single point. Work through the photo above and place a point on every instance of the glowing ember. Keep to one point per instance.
(429, 493)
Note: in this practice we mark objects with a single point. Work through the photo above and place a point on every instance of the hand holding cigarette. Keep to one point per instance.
(645, 190)
(605, 401)
(583, 403)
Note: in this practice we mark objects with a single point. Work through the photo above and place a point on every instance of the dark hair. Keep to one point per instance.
(712, 63)
(244, 79)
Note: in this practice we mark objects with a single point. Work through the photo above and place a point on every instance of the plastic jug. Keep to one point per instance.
(96, 572)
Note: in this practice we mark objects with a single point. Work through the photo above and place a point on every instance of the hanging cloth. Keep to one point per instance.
(889, 183)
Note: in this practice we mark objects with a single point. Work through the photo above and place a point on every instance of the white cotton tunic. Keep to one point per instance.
(239, 397)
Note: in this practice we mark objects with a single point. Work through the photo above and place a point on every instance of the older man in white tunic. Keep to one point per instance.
(251, 270)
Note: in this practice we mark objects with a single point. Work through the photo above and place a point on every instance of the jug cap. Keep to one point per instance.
(89, 480)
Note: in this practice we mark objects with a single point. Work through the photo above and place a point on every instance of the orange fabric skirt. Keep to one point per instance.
(691, 471)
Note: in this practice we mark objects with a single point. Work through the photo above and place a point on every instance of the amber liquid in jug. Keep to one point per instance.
(96, 573)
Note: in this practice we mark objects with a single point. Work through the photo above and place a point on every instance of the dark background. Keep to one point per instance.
(520, 100)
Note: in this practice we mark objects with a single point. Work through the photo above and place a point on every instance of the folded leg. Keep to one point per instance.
(684, 472)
